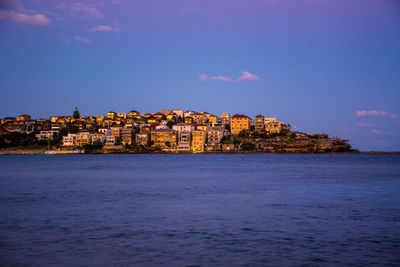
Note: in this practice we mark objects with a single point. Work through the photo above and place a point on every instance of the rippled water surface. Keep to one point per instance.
(200, 210)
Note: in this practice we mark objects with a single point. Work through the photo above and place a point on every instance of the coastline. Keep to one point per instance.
(75, 152)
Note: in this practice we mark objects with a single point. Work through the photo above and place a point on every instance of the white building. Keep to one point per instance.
(47, 135)
(69, 140)
(183, 127)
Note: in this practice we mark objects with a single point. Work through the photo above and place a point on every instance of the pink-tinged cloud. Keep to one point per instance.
(39, 20)
(82, 40)
(247, 76)
(221, 78)
(203, 77)
(84, 11)
(375, 131)
(364, 125)
(3, 14)
(104, 28)
(375, 113)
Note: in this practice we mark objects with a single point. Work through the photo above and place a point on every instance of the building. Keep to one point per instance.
(184, 139)
(47, 135)
(126, 135)
(69, 140)
(142, 139)
(164, 138)
(199, 118)
(104, 130)
(178, 112)
(188, 120)
(24, 117)
(214, 136)
(121, 115)
(225, 118)
(83, 138)
(267, 120)
(273, 127)
(133, 113)
(111, 140)
(259, 124)
(98, 138)
(199, 138)
(213, 119)
(183, 127)
(146, 129)
(239, 123)
(112, 115)
(116, 131)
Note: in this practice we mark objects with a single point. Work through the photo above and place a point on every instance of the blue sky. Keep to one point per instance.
(329, 66)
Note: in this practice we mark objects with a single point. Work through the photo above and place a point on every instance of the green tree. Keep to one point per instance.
(247, 146)
(76, 114)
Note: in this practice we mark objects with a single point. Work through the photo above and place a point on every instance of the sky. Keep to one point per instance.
(323, 66)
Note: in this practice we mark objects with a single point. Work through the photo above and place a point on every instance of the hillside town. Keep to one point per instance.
(169, 131)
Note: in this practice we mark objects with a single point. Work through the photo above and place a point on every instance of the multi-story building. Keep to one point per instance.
(142, 139)
(126, 135)
(69, 140)
(267, 120)
(199, 118)
(214, 136)
(259, 124)
(188, 120)
(183, 127)
(47, 135)
(178, 112)
(112, 115)
(184, 139)
(98, 138)
(83, 138)
(273, 127)
(121, 115)
(199, 138)
(188, 113)
(24, 117)
(111, 140)
(105, 131)
(203, 127)
(116, 131)
(164, 138)
(225, 118)
(133, 113)
(239, 123)
(213, 119)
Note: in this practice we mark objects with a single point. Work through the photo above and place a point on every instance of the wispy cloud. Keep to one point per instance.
(187, 10)
(83, 10)
(221, 78)
(38, 20)
(80, 39)
(364, 125)
(204, 77)
(374, 113)
(375, 131)
(247, 76)
(104, 28)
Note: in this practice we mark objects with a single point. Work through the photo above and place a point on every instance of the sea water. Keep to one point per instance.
(200, 210)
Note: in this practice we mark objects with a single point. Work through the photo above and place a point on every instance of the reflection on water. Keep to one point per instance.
(178, 210)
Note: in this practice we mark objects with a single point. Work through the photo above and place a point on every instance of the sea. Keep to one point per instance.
(200, 210)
